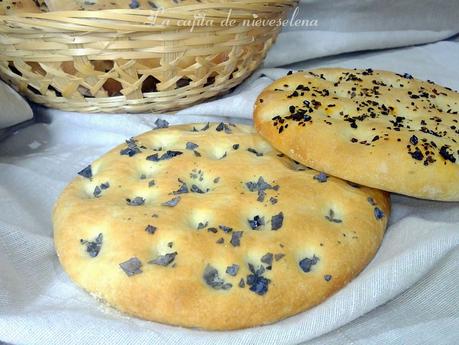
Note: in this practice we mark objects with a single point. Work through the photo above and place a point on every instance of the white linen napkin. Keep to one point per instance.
(13, 108)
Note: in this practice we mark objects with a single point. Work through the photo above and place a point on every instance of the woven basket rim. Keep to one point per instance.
(123, 20)
(122, 60)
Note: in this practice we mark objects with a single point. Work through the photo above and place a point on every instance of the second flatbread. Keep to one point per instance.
(380, 129)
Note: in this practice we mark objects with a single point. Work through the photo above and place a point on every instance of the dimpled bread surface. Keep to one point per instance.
(208, 226)
(380, 129)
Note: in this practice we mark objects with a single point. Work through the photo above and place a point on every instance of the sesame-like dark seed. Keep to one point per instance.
(93, 247)
(267, 259)
(132, 266)
(307, 263)
(379, 214)
(164, 260)
(232, 270)
(150, 229)
(321, 177)
(278, 256)
(86, 172)
(212, 278)
(172, 203)
(137, 201)
(236, 238)
(256, 222)
(446, 154)
(277, 221)
(417, 155)
(241, 283)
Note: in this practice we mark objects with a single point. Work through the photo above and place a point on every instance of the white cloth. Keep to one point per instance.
(407, 295)
(14, 109)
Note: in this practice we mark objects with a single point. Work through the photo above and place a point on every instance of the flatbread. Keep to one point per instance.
(380, 129)
(208, 226)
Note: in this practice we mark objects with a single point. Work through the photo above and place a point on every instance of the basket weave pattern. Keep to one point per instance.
(135, 60)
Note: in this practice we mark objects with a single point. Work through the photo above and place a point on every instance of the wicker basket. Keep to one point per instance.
(136, 60)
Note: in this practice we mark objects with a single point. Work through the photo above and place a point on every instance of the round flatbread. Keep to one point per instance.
(379, 129)
(208, 226)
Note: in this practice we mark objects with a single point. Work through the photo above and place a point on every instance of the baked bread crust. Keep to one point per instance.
(165, 250)
(22, 6)
(34, 6)
(375, 128)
